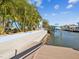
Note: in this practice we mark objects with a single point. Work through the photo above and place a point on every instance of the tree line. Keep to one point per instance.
(20, 16)
(17, 16)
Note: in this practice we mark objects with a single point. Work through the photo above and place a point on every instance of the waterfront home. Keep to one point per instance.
(71, 27)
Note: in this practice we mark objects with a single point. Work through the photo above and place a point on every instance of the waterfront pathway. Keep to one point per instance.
(11, 45)
(53, 52)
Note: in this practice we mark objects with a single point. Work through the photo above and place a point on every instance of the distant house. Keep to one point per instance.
(78, 24)
(71, 27)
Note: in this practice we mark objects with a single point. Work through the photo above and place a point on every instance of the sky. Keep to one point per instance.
(59, 12)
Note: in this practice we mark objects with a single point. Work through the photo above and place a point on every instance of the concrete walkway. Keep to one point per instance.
(53, 52)
(20, 42)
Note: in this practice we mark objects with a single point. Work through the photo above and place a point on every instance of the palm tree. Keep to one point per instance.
(33, 17)
(6, 8)
(45, 24)
(27, 15)
(19, 11)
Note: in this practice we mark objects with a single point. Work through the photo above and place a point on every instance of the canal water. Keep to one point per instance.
(65, 39)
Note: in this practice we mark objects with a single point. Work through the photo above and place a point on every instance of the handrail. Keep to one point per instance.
(17, 56)
(29, 51)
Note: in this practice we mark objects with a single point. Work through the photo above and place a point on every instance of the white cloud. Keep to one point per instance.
(35, 2)
(38, 2)
(56, 7)
(73, 1)
(69, 6)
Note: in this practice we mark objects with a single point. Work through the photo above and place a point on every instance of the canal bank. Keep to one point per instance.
(32, 46)
(65, 39)
(54, 52)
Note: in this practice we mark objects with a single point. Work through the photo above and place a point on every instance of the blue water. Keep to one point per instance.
(65, 39)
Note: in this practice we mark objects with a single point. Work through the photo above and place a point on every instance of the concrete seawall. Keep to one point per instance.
(22, 42)
(31, 45)
(54, 52)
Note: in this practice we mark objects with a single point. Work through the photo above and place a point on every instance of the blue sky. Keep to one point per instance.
(58, 11)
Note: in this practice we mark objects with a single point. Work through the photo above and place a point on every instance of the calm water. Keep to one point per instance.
(66, 39)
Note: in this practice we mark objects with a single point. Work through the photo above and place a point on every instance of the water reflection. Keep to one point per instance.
(66, 39)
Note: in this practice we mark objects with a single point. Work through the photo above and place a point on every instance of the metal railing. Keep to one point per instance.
(27, 52)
